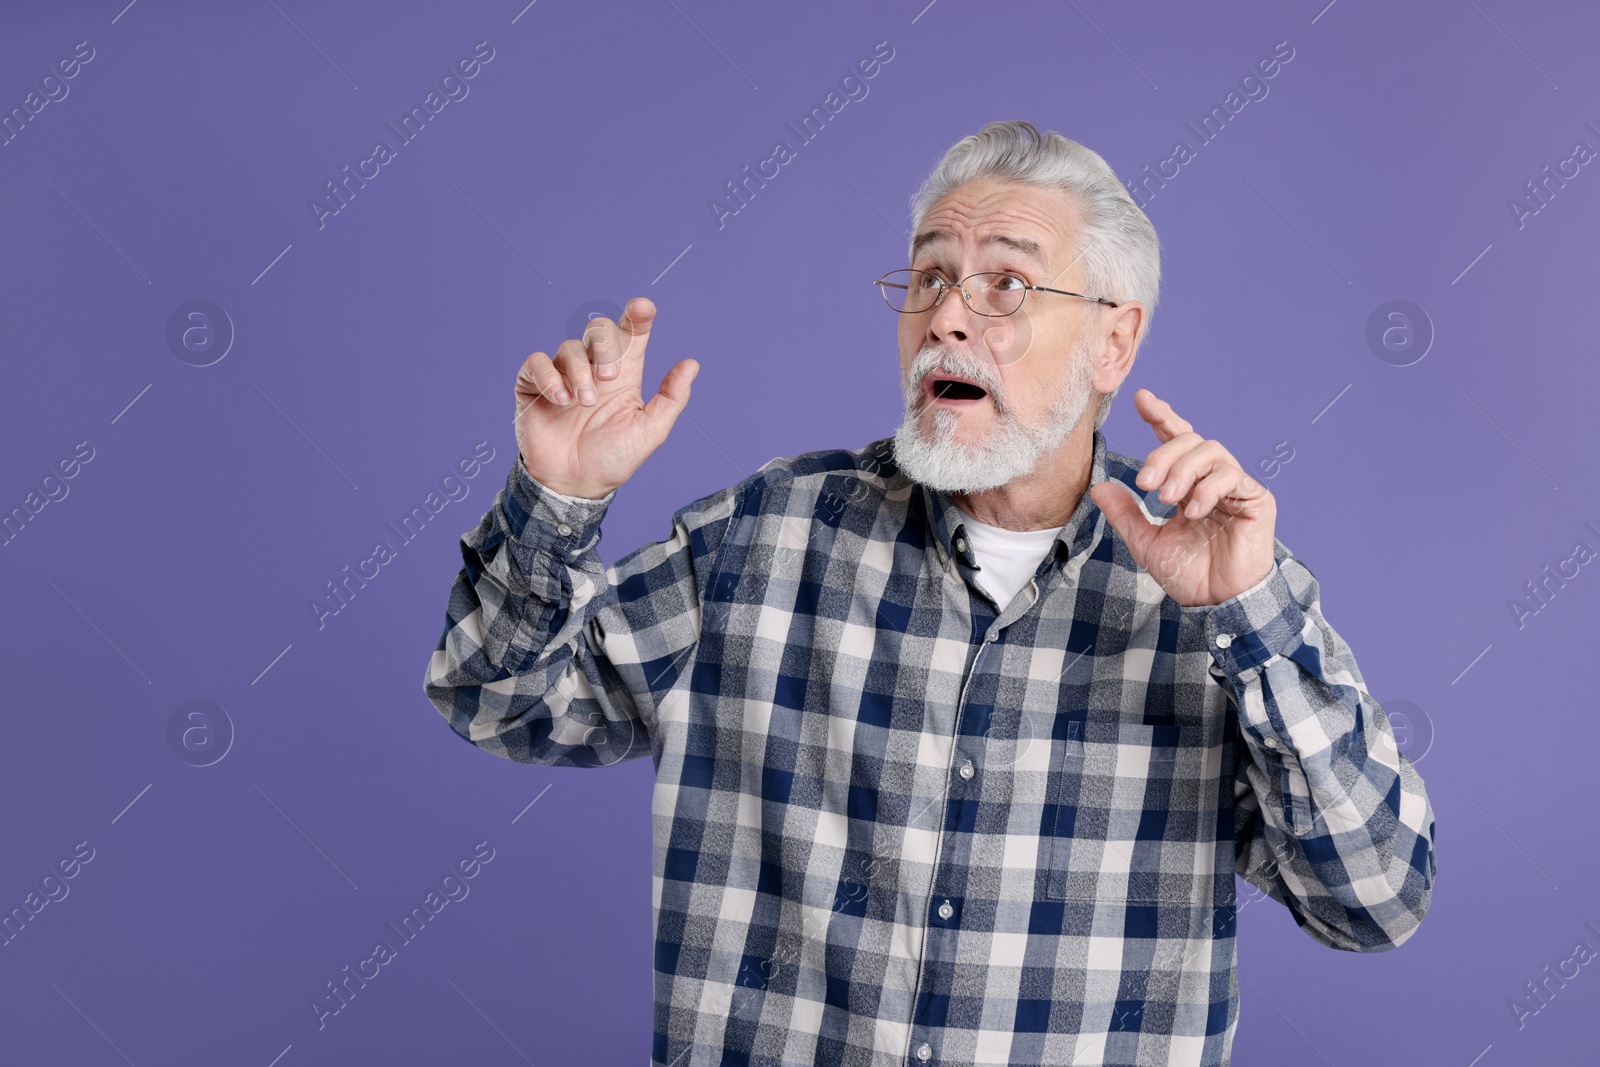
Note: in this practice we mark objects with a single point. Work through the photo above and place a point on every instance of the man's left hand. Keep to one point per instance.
(1220, 541)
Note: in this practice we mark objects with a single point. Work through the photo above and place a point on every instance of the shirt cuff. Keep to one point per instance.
(540, 517)
(1246, 630)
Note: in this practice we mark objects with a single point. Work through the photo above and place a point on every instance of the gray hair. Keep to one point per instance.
(1117, 243)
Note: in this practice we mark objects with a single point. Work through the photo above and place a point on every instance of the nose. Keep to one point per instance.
(951, 319)
(954, 325)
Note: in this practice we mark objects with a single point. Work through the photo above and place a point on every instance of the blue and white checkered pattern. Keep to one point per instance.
(894, 823)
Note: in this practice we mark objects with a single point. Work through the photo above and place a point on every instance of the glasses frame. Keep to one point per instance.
(966, 298)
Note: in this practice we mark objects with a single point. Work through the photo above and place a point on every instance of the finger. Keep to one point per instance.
(539, 378)
(632, 335)
(1192, 465)
(1210, 491)
(1123, 513)
(600, 339)
(572, 360)
(1157, 466)
(663, 408)
(1159, 414)
(1250, 499)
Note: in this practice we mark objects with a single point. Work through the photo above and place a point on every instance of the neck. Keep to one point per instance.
(1046, 497)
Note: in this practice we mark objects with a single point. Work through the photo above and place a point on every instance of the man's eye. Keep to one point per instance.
(1008, 282)
(927, 280)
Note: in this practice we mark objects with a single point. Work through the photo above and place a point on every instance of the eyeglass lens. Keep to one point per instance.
(914, 290)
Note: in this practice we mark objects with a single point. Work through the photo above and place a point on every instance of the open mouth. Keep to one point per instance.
(955, 389)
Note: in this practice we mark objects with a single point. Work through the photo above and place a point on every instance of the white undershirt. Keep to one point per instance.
(1006, 558)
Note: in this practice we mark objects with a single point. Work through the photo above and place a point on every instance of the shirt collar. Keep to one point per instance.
(1080, 534)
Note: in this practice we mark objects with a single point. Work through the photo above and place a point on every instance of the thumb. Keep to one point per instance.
(663, 408)
(1124, 514)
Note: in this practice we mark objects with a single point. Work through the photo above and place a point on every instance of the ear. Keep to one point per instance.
(1119, 328)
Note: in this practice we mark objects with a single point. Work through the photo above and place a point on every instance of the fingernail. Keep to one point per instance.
(560, 395)
(605, 370)
(586, 393)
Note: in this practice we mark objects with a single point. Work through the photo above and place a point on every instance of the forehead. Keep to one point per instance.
(999, 217)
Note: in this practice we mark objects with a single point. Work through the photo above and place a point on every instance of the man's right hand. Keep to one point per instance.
(582, 423)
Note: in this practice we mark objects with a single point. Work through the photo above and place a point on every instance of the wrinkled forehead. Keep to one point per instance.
(942, 242)
(985, 220)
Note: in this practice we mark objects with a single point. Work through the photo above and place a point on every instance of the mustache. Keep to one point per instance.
(935, 358)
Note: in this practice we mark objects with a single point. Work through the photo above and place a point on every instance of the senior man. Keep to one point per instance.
(959, 738)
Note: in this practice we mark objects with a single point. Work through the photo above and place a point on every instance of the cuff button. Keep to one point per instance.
(1224, 640)
(566, 531)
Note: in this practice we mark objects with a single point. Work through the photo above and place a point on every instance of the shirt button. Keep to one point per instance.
(966, 769)
(563, 529)
(924, 1051)
(1271, 742)
(945, 910)
(1224, 640)
(961, 546)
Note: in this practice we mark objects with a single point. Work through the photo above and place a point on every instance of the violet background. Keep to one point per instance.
(579, 168)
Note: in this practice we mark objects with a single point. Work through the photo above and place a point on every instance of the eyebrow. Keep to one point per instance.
(1023, 245)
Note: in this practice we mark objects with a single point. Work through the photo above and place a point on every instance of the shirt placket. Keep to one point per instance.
(941, 916)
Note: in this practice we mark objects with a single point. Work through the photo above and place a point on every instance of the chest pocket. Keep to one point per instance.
(1135, 813)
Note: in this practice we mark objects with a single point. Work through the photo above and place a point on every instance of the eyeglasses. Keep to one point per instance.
(994, 294)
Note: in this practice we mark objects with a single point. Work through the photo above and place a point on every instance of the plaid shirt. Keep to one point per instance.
(897, 823)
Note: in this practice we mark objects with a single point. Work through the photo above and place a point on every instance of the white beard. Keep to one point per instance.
(1009, 450)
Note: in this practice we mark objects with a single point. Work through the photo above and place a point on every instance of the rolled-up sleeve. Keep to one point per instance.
(1331, 818)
